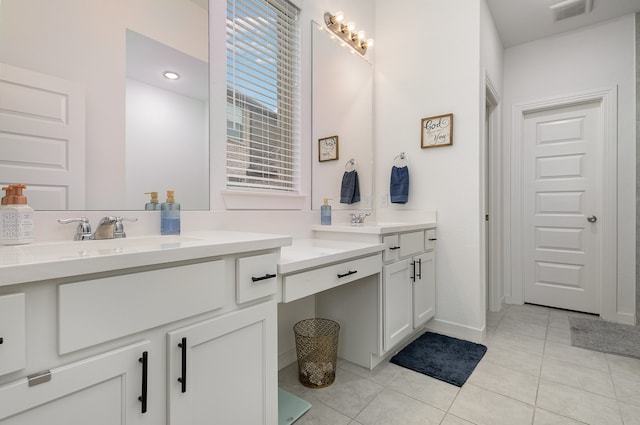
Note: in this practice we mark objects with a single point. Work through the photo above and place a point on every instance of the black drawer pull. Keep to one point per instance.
(145, 366)
(349, 273)
(266, 276)
(183, 377)
(393, 248)
(1, 340)
(433, 239)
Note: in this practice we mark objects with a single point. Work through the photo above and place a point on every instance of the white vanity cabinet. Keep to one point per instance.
(12, 333)
(102, 347)
(408, 287)
(221, 370)
(104, 389)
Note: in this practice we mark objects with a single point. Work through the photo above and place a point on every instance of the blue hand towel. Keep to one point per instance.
(399, 188)
(350, 189)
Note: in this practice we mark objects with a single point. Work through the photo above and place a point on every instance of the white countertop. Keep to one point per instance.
(312, 253)
(51, 260)
(374, 227)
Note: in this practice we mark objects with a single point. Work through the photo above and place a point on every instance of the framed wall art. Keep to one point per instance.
(328, 149)
(437, 131)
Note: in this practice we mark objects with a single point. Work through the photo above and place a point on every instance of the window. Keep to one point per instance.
(263, 101)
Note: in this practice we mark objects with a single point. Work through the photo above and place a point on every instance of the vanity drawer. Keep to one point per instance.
(99, 310)
(12, 333)
(411, 243)
(311, 282)
(391, 247)
(430, 239)
(256, 277)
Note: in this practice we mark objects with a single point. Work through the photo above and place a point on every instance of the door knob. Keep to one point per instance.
(592, 219)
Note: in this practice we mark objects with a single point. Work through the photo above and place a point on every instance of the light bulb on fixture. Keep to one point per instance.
(347, 32)
(170, 75)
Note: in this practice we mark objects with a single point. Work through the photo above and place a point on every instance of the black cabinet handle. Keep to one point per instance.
(183, 377)
(393, 248)
(1, 340)
(349, 273)
(433, 239)
(413, 275)
(145, 366)
(266, 276)
(419, 274)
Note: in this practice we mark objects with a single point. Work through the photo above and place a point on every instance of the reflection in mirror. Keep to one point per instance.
(342, 106)
(88, 118)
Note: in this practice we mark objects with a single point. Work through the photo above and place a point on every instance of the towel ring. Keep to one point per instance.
(401, 160)
(350, 165)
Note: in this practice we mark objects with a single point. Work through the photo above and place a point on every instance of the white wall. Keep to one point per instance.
(428, 63)
(599, 57)
(167, 147)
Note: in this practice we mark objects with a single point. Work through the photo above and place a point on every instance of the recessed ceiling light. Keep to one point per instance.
(170, 75)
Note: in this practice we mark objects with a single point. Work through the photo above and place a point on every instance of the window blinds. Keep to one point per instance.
(263, 101)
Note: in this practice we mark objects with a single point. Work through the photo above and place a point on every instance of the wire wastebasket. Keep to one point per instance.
(317, 351)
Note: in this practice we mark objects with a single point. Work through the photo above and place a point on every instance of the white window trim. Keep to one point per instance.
(238, 199)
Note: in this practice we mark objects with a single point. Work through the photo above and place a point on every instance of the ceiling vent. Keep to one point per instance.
(570, 8)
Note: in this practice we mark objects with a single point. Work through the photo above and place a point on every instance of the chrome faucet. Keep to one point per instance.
(358, 219)
(110, 227)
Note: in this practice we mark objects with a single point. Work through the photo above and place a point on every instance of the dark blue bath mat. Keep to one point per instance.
(442, 357)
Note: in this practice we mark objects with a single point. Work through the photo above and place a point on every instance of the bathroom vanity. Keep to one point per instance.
(376, 280)
(175, 330)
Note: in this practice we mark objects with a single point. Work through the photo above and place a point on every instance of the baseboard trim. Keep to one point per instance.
(626, 319)
(457, 330)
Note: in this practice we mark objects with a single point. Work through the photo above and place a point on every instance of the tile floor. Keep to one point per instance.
(530, 375)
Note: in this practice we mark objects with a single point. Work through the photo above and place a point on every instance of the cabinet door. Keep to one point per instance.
(101, 390)
(12, 333)
(396, 295)
(424, 288)
(224, 370)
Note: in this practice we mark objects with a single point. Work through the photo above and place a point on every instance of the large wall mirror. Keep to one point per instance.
(342, 106)
(135, 131)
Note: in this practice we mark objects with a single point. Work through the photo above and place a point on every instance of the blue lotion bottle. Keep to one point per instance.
(170, 216)
(325, 213)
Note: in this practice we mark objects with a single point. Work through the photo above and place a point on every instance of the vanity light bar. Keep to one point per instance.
(347, 32)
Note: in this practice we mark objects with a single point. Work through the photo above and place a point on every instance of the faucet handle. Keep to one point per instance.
(83, 231)
(118, 227)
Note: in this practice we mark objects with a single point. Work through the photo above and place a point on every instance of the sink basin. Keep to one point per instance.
(54, 251)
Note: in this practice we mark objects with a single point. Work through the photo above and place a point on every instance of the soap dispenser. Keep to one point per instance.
(153, 204)
(16, 217)
(170, 216)
(325, 213)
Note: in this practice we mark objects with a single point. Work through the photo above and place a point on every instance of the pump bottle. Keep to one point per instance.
(153, 204)
(170, 216)
(16, 217)
(325, 213)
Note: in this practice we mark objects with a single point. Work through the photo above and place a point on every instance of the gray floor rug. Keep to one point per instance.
(606, 337)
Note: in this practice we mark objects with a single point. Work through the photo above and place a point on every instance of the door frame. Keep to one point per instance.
(607, 194)
(493, 149)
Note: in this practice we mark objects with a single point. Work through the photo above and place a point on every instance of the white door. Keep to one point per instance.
(561, 231)
(42, 137)
(398, 304)
(106, 389)
(424, 288)
(224, 370)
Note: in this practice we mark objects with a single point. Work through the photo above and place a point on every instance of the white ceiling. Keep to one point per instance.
(521, 21)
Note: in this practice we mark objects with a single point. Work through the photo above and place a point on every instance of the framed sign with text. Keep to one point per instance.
(437, 131)
(328, 148)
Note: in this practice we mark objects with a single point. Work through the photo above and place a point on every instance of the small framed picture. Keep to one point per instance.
(328, 149)
(437, 131)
